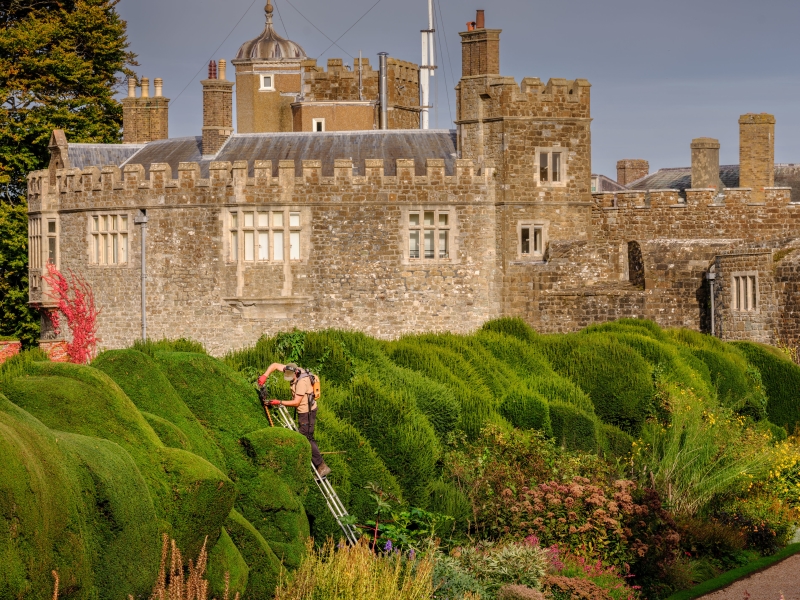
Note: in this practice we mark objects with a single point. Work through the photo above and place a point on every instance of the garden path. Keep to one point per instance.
(765, 585)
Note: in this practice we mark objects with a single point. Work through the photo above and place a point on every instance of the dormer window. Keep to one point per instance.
(318, 125)
(267, 83)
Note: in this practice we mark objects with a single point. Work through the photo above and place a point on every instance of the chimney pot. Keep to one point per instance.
(131, 87)
(480, 22)
(222, 67)
(470, 25)
(158, 83)
(145, 87)
(212, 70)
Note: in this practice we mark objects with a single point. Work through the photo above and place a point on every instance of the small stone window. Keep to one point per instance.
(109, 235)
(429, 234)
(531, 240)
(261, 235)
(267, 83)
(744, 292)
(550, 166)
(318, 125)
(35, 249)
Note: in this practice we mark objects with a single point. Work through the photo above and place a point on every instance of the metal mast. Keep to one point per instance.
(427, 68)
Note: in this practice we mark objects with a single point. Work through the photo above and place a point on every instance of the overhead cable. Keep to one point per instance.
(353, 25)
(213, 54)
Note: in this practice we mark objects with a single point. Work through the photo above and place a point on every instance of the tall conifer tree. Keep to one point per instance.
(61, 62)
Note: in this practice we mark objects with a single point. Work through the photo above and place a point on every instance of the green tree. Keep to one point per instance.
(61, 62)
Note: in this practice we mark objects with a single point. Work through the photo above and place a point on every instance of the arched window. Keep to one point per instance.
(635, 264)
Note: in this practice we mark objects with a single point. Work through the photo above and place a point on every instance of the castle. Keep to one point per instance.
(328, 207)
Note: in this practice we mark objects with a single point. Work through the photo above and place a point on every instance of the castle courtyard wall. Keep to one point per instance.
(353, 272)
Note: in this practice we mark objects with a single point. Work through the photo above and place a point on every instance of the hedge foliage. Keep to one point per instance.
(164, 438)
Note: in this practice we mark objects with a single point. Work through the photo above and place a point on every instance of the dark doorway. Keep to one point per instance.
(635, 265)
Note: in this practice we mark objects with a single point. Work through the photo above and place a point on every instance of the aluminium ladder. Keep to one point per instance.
(335, 505)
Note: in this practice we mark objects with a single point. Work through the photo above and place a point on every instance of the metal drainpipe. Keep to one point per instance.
(384, 90)
(141, 219)
(711, 278)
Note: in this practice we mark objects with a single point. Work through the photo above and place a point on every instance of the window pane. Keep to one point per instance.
(738, 291)
(51, 227)
(51, 249)
(123, 223)
(277, 249)
(429, 218)
(294, 245)
(526, 240)
(113, 223)
(277, 219)
(556, 166)
(543, 172)
(429, 244)
(248, 219)
(413, 219)
(413, 244)
(109, 256)
(96, 239)
(249, 245)
(234, 220)
(444, 250)
(114, 250)
(123, 248)
(263, 219)
(234, 246)
(294, 219)
(104, 223)
(263, 245)
(537, 240)
(95, 224)
(753, 295)
(442, 219)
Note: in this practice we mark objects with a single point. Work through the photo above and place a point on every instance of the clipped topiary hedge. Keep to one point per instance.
(781, 378)
(572, 428)
(527, 410)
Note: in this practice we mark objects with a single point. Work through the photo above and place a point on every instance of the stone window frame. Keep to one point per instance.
(750, 292)
(265, 88)
(35, 249)
(119, 236)
(533, 224)
(318, 121)
(451, 228)
(550, 150)
(295, 237)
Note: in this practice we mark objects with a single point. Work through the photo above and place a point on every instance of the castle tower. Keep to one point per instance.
(757, 153)
(145, 119)
(269, 73)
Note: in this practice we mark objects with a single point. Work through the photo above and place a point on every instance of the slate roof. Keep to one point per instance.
(323, 146)
(100, 155)
(606, 184)
(681, 179)
(786, 175)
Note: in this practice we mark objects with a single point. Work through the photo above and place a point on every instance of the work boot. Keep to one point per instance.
(323, 470)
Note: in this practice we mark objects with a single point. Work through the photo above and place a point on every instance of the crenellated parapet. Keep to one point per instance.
(242, 181)
(736, 213)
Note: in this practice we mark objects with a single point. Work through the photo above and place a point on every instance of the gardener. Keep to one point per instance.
(303, 400)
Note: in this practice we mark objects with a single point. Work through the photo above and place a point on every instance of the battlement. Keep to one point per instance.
(336, 69)
(695, 214)
(558, 98)
(245, 175)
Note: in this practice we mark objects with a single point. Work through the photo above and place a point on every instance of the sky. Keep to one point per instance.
(662, 71)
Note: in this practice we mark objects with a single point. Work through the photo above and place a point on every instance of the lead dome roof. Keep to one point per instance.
(269, 45)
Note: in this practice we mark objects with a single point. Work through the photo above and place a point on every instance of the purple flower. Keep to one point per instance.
(411, 554)
(388, 546)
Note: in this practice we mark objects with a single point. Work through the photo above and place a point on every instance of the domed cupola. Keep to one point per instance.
(269, 45)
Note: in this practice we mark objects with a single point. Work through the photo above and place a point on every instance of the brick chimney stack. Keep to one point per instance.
(705, 164)
(631, 169)
(480, 49)
(145, 119)
(757, 153)
(217, 109)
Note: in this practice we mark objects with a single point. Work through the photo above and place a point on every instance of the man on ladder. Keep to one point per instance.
(305, 403)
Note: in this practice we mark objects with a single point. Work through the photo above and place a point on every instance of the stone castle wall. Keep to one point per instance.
(353, 272)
